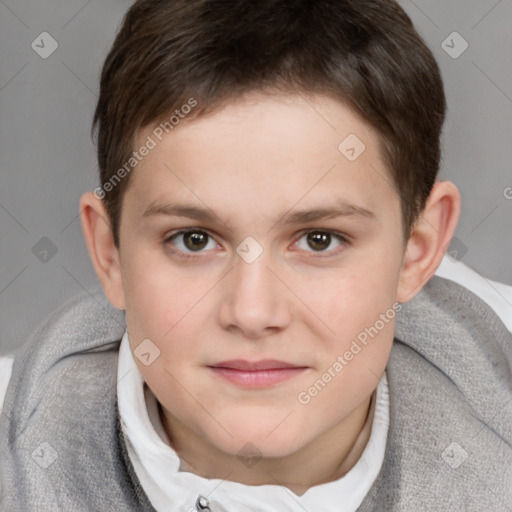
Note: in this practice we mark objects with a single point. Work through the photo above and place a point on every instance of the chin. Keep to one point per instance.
(256, 443)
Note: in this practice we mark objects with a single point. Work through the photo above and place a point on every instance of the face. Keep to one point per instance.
(260, 254)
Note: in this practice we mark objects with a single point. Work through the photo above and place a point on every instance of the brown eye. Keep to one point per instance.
(319, 240)
(191, 241)
(195, 240)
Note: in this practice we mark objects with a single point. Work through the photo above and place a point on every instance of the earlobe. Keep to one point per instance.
(102, 250)
(429, 239)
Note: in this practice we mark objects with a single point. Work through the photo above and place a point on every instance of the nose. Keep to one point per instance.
(255, 301)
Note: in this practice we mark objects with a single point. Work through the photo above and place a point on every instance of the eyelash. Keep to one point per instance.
(188, 256)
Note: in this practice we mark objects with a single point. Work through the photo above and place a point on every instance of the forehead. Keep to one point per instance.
(261, 151)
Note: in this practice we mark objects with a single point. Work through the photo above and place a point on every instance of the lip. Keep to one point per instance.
(264, 364)
(256, 374)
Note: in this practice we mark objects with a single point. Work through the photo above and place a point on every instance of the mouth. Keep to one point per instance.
(257, 374)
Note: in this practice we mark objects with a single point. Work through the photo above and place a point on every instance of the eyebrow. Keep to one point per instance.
(289, 217)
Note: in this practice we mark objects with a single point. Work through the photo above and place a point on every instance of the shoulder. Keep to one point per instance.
(498, 296)
(460, 320)
(84, 326)
(450, 386)
(60, 406)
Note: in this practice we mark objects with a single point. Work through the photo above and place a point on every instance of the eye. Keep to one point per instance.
(319, 240)
(191, 241)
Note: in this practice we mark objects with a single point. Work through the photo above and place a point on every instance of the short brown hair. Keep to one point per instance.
(365, 53)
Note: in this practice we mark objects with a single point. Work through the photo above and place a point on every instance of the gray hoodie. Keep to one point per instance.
(449, 446)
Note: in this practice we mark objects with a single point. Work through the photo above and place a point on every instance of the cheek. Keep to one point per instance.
(358, 309)
(158, 296)
(167, 308)
(350, 302)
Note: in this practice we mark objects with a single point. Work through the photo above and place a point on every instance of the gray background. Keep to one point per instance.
(48, 159)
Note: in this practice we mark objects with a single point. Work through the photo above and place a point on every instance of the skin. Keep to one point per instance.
(250, 163)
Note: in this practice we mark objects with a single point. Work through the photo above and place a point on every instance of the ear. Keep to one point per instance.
(429, 239)
(104, 254)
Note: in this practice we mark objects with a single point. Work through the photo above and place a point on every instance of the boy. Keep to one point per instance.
(266, 228)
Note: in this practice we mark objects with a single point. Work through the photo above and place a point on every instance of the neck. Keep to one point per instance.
(324, 460)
